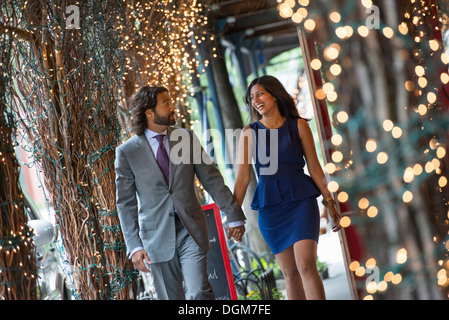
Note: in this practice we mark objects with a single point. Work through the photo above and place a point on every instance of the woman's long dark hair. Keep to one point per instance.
(144, 99)
(284, 100)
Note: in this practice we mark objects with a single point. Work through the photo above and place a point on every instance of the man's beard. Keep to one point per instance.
(164, 121)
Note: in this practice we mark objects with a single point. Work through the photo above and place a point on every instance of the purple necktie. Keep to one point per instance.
(162, 157)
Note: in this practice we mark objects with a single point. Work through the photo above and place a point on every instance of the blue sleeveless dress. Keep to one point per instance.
(285, 196)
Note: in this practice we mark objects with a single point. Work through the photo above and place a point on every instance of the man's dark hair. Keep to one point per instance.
(144, 99)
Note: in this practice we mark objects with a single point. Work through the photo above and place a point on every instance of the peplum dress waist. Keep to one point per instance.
(289, 185)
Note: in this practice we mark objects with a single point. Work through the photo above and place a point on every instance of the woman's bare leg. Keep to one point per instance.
(305, 252)
(293, 283)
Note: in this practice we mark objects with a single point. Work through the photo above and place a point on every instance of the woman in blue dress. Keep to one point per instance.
(285, 196)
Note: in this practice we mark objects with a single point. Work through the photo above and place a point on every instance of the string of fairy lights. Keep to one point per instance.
(404, 153)
(164, 42)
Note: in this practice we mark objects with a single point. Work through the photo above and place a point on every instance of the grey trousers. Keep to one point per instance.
(187, 269)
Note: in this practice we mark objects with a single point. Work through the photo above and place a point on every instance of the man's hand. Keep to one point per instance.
(138, 260)
(236, 232)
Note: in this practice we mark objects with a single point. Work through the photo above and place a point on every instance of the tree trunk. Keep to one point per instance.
(69, 90)
(75, 85)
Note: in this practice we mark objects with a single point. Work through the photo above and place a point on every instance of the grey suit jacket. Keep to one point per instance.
(145, 202)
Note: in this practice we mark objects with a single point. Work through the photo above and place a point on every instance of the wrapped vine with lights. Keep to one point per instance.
(71, 89)
(17, 260)
(384, 71)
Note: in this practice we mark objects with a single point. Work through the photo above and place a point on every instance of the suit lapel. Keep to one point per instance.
(149, 157)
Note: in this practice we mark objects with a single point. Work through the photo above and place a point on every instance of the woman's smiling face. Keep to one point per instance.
(261, 100)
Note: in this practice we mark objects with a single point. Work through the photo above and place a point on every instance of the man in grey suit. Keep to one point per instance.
(161, 218)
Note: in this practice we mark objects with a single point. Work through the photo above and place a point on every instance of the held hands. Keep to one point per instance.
(235, 232)
(140, 257)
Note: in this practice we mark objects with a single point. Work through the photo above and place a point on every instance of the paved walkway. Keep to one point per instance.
(329, 250)
(336, 286)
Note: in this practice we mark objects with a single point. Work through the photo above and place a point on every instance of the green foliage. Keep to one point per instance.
(321, 266)
(267, 265)
(255, 295)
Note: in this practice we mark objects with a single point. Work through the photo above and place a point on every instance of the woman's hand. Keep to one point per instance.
(335, 216)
